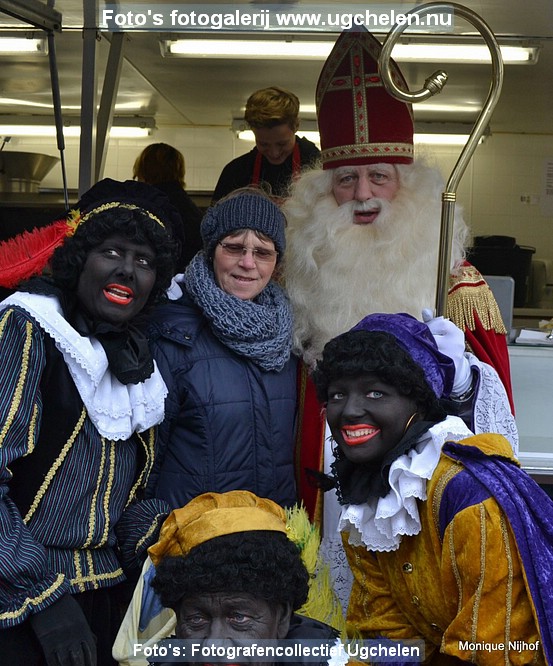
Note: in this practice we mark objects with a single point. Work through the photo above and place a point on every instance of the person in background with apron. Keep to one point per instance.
(272, 114)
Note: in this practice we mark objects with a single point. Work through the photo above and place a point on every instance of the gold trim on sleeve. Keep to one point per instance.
(509, 593)
(18, 394)
(107, 495)
(478, 594)
(57, 464)
(35, 601)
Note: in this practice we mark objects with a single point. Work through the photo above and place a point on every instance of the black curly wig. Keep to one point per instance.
(265, 564)
(356, 353)
(131, 222)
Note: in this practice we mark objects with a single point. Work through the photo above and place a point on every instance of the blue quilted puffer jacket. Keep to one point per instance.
(228, 424)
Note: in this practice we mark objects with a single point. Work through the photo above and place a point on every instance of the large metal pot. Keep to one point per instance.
(23, 172)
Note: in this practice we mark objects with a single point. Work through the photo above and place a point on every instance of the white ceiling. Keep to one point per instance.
(195, 92)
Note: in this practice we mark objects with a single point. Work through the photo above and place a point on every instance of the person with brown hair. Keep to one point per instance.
(272, 114)
(163, 166)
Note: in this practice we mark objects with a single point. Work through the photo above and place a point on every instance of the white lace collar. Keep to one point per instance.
(117, 410)
(381, 523)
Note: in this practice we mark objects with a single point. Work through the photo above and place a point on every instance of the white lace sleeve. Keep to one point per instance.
(491, 409)
(333, 553)
(331, 549)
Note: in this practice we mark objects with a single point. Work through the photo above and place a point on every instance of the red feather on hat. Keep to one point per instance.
(28, 253)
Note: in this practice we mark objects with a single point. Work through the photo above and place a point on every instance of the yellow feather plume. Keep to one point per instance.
(322, 602)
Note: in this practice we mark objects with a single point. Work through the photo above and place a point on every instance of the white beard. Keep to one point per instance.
(337, 272)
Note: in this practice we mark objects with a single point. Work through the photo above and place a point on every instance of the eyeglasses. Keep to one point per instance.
(259, 253)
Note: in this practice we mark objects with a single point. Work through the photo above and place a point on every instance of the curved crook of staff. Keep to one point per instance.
(434, 84)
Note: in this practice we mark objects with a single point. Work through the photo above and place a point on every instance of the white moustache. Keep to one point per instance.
(350, 208)
(371, 206)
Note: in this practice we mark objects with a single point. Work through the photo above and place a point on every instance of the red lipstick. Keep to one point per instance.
(119, 294)
(354, 435)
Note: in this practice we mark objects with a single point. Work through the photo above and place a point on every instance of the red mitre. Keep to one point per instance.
(359, 121)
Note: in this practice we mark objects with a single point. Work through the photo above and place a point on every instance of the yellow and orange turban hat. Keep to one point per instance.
(215, 514)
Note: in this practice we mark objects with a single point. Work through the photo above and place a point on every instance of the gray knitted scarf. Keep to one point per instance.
(260, 330)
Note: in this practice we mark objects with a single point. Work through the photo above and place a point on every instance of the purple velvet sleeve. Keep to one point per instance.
(530, 513)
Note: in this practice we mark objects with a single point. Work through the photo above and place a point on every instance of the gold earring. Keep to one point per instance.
(409, 422)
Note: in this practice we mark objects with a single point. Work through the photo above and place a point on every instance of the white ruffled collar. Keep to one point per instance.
(380, 523)
(117, 410)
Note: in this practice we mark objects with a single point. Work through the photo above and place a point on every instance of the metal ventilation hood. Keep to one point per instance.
(23, 172)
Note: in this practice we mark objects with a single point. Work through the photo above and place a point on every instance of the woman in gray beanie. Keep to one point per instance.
(223, 346)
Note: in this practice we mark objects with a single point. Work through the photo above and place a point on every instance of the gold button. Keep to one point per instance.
(407, 567)
(415, 600)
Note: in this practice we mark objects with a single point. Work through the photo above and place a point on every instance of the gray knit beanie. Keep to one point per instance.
(244, 211)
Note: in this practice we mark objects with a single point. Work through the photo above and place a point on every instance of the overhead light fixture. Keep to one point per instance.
(428, 139)
(463, 53)
(314, 137)
(22, 45)
(441, 139)
(129, 132)
(32, 129)
(315, 50)
(308, 129)
(465, 107)
(129, 127)
(246, 48)
(451, 134)
(122, 127)
(305, 109)
(445, 134)
(122, 107)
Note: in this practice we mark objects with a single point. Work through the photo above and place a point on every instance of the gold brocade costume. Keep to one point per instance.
(456, 593)
(470, 296)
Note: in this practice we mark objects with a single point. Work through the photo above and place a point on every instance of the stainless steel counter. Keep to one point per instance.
(532, 379)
